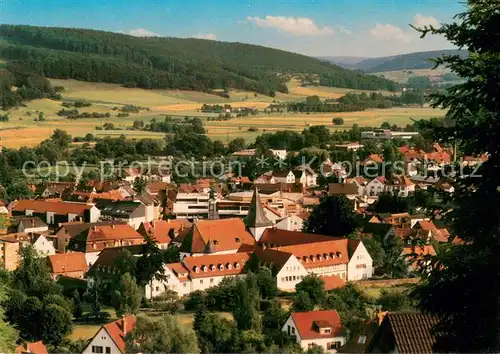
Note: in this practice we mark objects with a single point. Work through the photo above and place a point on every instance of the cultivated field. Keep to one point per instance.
(23, 130)
(402, 76)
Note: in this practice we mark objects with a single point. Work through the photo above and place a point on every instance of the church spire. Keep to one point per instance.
(256, 217)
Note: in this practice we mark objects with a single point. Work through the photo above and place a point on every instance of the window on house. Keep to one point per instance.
(97, 349)
(293, 330)
(201, 281)
(211, 280)
(108, 350)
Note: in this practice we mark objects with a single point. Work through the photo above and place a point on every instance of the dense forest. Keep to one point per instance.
(154, 62)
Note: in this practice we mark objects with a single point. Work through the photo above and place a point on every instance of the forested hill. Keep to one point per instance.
(155, 62)
(411, 61)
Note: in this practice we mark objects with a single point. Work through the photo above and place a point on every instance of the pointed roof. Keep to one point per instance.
(209, 248)
(256, 216)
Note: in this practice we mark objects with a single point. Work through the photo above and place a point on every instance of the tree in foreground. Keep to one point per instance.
(463, 287)
(127, 296)
(163, 335)
(8, 335)
(334, 216)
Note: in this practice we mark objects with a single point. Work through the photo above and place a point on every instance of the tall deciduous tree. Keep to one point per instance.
(463, 287)
(164, 335)
(8, 335)
(334, 216)
(127, 296)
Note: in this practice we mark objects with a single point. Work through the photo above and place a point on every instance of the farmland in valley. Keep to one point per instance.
(22, 129)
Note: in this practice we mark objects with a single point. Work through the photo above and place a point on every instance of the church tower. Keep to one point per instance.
(256, 220)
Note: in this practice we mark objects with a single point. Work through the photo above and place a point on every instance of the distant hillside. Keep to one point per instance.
(345, 62)
(154, 62)
(411, 61)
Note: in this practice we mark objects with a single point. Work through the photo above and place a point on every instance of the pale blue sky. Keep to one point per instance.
(314, 27)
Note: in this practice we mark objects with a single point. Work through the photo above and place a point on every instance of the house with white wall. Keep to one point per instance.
(285, 176)
(110, 339)
(134, 213)
(316, 328)
(360, 182)
(55, 212)
(31, 225)
(290, 223)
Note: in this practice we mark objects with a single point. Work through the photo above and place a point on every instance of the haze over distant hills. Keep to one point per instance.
(410, 61)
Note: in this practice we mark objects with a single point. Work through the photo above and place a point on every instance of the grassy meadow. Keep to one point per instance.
(23, 130)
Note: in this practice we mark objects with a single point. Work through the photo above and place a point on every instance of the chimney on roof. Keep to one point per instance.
(113, 226)
(124, 325)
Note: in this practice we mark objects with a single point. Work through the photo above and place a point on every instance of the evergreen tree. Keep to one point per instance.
(463, 287)
(334, 216)
(77, 305)
(127, 296)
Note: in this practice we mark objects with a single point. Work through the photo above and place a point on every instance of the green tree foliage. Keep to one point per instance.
(247, 304)
(338, 121)
(127, 296)
(55, 324)
(273, 319)
(167, 62)
(419, 82)
(375, 250)
(470, 319)
(302, 302)
(77, 305)
(35, 303)
(334, 216)
(396, 300)
(391, 203)
(314, 287)
(32, 277)
(268, 287)
(8, 335)
(163, 335)
(139, 184)
(352, 305)
(217, 334)
(236, 145)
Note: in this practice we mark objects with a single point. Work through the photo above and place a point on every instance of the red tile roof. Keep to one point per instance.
(224, 234)
(375, 158)
(112, 232)
(320, 254)
(57, 207)
(412, 332)
(61, 263)
(216, 265)
(305, 323)
(333, 282)
(118, 330)
(275, 237)
(34, 348)
(160, 229)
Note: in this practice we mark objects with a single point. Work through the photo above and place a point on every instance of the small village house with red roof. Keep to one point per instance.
(360, 182)
(399, 185)
(72, 265)
(93, 240)
(110, 339)
(32, 348)
(54, 212)
(316, 328)
(415, 256)
(162, 230)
